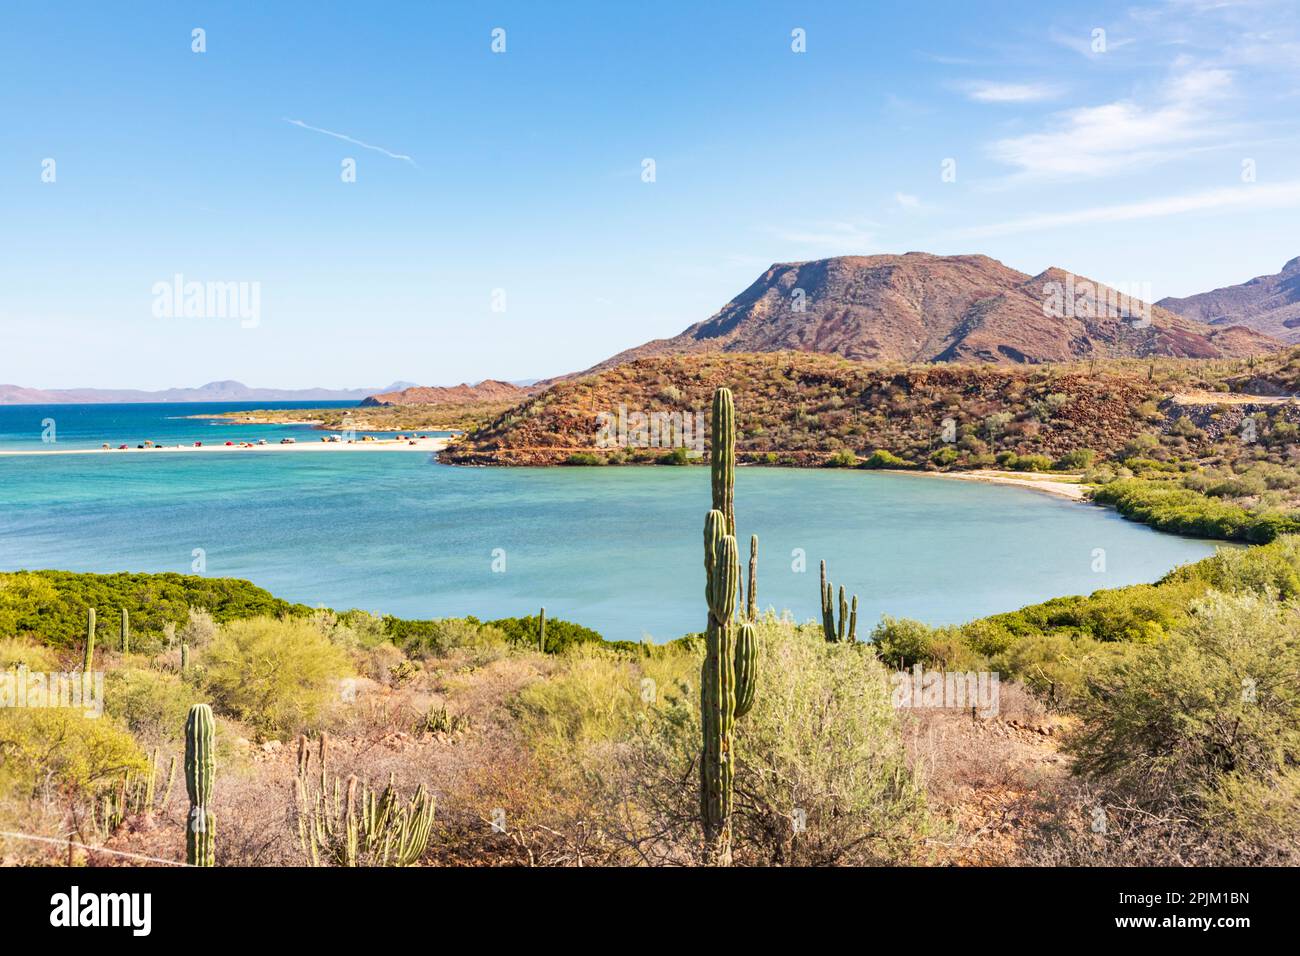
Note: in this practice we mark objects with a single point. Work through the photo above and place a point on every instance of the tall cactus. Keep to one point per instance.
(126, 632)
(751, 592)
(718, 687)
(729, 673)
(201, 833)
(90, 642)
(847, 626)
(541, 631)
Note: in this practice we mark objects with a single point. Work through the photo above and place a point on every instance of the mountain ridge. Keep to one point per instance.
(226, 390)
(1269, 304)
(920, 307)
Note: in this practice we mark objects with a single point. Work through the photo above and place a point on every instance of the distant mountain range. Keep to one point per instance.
(1268, 304)
(926, 308)
(488, 390)
(212, 392)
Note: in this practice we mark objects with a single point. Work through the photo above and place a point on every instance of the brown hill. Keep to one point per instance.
(800, 408)
(921, 308)
(488, 390)
(1267, 304)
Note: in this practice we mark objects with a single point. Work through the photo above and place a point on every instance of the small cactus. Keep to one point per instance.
(185, 658)
(89, 664)
(847, 626)
(541, 631)
(751, 593)
(126, 632)
(201, 832)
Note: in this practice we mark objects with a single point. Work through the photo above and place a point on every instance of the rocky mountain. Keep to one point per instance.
(923, 308)
(488, 390)
(1267, 304)
(227, 391)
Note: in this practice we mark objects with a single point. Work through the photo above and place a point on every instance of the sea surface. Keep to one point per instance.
(616, 549)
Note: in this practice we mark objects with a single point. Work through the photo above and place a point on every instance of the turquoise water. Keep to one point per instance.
(26, 427)
(617, 549)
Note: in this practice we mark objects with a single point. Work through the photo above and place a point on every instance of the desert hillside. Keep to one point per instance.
(921, 308)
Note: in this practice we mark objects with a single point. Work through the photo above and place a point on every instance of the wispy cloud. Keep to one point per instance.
(1094, 141)
(837, 237)
(356, 142)
(1251, 196)
(1012, 92)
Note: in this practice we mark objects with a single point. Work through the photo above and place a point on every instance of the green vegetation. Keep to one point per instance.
(279, 677)
(1180, 510)
(54, 606)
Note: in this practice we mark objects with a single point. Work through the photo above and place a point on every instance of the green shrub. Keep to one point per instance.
(842, 459)
(279, 677)
(1032, 463)
(560, 635)
(1077, 460)
(822, 742)
(885, 459)
(583, 458)
(52, 604)
(1172, 720)
(76, 753)
(438, 637)
(152, 704)
(1168, 507)
(944, 457)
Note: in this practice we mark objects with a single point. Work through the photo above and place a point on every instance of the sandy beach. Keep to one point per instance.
(1047, 484)
(426, 445)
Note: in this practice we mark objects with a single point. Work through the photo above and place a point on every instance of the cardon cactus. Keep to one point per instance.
(90, 642)
(201, 832)
(718, 687)
(126, 632)
(751, 593)
(847, 626)
(729, 673)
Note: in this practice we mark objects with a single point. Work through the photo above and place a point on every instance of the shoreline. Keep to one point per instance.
(1070, 491)
(427, 445)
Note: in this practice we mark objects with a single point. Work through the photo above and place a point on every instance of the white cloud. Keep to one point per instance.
(1012, 92)
(1252, 196)
(348, 139)
(1098, 140)
(907, 200)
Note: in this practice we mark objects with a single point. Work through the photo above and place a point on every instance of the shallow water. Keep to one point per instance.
(616, 549)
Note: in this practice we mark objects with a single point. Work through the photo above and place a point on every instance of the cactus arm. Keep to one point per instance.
(746, 668)
(853, 620)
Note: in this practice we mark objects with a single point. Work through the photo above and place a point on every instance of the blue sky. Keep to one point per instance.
(1122, 163)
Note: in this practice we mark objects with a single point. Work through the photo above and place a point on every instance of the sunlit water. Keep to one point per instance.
(617, 549)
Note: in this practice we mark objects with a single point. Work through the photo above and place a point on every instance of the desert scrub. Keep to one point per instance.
(821, 778)
(152, 704)
(20, 652)
(595, 698)
(278, 676)
(1170, 723)
(63, 750)
(440, 637)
